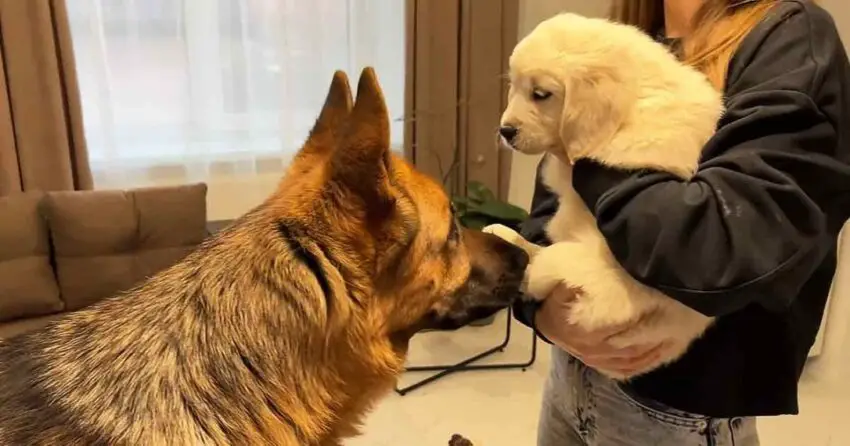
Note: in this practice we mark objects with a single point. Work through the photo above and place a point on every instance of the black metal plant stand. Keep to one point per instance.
(467, 364)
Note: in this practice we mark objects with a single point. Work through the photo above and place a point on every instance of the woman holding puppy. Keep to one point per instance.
(768, 201)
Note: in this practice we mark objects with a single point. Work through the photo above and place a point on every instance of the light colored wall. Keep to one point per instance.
(840, 10)
(531, 13)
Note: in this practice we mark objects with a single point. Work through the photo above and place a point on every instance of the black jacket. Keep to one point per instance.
(752, 237)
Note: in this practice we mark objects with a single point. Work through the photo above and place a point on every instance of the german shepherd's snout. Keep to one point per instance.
(496, 273)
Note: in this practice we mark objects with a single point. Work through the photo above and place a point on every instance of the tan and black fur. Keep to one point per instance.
(284, 328)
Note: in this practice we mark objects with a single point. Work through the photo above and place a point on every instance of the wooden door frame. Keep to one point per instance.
(455, 89)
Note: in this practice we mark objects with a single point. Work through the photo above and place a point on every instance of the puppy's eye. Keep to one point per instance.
(540, 95)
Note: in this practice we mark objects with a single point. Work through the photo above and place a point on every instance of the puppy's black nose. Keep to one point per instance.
(509, 133)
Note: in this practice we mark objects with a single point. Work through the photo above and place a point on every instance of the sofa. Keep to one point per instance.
(63, 251)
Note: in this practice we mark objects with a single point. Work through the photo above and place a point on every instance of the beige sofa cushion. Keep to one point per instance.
(107, 241)
(27, 284)
(21, 326)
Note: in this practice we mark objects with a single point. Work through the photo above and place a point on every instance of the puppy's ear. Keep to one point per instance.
(595, 108)
(361, 162)
(338, 104)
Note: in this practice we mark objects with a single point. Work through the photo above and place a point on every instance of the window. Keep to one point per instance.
(221, 91)
(225, 91)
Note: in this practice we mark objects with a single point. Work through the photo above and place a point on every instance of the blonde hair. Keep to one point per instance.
(718, 28)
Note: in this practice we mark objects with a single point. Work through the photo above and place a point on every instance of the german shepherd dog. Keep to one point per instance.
(284, 328)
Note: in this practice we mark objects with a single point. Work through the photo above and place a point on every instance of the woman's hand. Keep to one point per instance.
(592, 347)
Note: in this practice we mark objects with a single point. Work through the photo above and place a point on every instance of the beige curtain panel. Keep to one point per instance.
(42, 144)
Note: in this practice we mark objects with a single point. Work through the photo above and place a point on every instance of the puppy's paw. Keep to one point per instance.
(545, 272)
(509, 235)
(650, 318)
(606, 297)
(670, 323)
(599, 308)
(505, 233)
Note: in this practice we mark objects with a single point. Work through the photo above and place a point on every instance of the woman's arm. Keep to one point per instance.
(751, 225)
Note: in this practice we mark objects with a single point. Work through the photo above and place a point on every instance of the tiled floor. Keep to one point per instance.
(499, 408)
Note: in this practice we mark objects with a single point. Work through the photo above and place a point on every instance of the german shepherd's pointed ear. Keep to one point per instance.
(361, 161)
(333, 117)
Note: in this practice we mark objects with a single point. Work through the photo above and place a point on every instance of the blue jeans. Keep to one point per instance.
(583, 408)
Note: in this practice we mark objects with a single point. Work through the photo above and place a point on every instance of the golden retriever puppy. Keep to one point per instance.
(590, 88)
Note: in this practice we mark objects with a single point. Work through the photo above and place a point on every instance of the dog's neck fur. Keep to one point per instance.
(227, 381)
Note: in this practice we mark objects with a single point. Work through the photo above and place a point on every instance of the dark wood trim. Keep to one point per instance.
(510, 37)
(409, 76)
(455, 89)
(432, 101)
(486, 43)
(464, 81)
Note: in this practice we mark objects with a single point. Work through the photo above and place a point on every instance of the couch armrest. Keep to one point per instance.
(214, 226)
(105, 242)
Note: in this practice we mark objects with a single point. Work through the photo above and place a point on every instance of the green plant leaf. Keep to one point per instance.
(475, 221)
(501, 210)
(477, 191)
(462, 206)
(480, 208)
(469, 200)
(479, 221)
(460, 201)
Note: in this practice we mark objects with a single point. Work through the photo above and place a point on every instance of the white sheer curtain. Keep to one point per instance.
(221, 91)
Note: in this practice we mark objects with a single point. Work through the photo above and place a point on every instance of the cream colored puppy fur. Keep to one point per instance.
(590, 88)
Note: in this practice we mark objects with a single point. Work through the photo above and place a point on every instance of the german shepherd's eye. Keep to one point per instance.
(540, 95)
(454, 232)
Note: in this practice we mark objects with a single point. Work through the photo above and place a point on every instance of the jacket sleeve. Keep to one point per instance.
(750, 226)
(544, 203)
